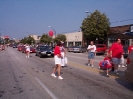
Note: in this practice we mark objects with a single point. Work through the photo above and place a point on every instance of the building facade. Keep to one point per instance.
(73, 39)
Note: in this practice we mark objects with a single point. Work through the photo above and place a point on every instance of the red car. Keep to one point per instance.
(20, 48)
(32, 50)
(101, 48)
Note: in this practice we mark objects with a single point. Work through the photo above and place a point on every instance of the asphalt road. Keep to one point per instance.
(23, 78)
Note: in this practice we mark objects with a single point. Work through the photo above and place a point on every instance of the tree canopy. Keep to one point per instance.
(29, 40)
(45, 38)
(60, 37)
(95, 26)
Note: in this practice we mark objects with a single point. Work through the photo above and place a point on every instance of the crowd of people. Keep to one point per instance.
(113, 57)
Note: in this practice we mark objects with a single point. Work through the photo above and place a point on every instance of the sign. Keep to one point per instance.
(6, 37)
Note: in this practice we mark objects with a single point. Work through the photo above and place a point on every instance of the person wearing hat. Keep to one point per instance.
(63, 53)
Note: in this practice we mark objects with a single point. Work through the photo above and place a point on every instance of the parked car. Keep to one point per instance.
(44, 51)
(15, 46)
(101, 48)
(70, 49)
(23, 49)
(32, 49)
(79, 49)
(20, 48)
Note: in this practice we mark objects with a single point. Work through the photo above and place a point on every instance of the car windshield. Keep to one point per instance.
(45, 47)
(77, 47)
(100, 45)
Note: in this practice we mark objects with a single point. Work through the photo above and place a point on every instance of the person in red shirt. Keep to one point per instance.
(130, 49)
(57, 58)
(116, 52)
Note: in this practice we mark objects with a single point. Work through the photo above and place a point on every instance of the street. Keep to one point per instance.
(30, 78)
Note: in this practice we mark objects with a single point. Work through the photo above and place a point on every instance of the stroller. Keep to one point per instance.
(105, 65)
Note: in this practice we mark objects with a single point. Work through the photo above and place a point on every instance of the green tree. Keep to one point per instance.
(95, 26)
(24, 40)
(60, 37)
(46, 39)
(29, 40)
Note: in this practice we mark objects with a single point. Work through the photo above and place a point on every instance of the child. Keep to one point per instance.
(106, 63)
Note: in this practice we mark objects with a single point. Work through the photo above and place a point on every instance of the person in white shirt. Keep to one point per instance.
(91, 53)
(27, 51)
(63, 53)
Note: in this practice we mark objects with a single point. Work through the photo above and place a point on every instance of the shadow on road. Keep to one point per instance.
(120, 79)
(127, 84)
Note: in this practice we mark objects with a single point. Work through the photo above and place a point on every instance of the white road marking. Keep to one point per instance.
(45, 88)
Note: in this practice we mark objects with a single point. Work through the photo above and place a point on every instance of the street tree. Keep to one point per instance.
(28, 40)
(24, 40)
(46, 39)
(60, 37)
(96, 25)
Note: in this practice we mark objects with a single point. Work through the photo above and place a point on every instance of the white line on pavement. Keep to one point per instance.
(45, 88)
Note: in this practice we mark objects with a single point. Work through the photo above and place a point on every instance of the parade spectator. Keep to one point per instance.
(130, 49)
(57, 58)
(91, 53)
(27, 51)
(116, 52)
(63, 53)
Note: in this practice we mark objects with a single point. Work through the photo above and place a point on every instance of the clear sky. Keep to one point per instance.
(19, 18)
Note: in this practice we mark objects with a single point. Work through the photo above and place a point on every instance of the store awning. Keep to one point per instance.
(128, 33)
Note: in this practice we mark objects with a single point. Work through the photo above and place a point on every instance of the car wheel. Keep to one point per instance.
(35, 54)
(40, 55)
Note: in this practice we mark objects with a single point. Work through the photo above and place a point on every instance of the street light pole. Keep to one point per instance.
(53, 30)
(87, 12)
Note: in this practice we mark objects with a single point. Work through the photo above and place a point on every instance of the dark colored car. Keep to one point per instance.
(79, 49)
(101, 48)
(15, 46)
(46, 51)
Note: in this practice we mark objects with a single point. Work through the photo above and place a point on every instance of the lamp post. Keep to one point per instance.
(87, 13)
(53, 30)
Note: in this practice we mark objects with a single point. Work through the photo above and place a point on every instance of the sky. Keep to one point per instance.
(20, 18)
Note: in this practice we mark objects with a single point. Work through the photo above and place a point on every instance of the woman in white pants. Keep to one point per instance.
(63, 53)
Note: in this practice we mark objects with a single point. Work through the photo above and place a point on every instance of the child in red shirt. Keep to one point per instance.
(106, 63)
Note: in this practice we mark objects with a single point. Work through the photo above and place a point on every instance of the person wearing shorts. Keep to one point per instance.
(57, 58)
(91, 53)
(116, 52)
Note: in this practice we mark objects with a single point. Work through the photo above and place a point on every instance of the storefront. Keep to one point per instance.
(117, 32)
